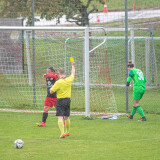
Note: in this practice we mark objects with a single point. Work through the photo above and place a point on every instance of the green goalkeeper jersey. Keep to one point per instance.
(137, 76)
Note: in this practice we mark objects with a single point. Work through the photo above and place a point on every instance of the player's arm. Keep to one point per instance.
(44, 76)
(55, 76)
(131, 74)
(73, 69)
(128, 81)
(145, 80)
(54, 88)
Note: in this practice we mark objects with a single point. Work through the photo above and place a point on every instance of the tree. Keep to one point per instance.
(16, 8)
(75, 10)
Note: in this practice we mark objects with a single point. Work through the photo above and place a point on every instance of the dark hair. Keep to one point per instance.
(51, 68)
(130, 64)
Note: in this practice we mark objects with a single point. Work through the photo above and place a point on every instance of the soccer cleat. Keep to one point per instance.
(62, 136)
(66, 134)
(143, 119)
(129, 116)
(42, 124)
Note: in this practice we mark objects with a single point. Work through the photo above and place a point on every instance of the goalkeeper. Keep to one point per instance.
(51, 99)
(138, 90)
(63, 89)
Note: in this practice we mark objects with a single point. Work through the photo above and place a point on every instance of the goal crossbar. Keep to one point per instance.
(84, 47)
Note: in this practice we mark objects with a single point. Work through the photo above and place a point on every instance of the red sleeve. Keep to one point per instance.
(55, 76)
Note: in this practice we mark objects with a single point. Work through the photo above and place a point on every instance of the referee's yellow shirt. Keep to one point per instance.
(63, 87)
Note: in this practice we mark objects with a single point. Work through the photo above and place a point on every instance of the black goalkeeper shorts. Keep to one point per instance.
(63, 107)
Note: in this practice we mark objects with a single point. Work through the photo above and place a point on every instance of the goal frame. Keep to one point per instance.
(86, 31)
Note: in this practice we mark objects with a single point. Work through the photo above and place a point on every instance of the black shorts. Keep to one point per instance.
(63, 107)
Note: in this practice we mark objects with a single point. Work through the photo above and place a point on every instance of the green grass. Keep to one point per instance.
(150, 101)
(120, 4)
(89, 139)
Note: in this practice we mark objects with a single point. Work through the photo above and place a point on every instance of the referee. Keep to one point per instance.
(63, 89)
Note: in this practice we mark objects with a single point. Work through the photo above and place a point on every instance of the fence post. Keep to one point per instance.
(132, 47)
(147, 53)
(28, 57)
(87, 93)
(34, 61)
(126, 48)
(152, 52)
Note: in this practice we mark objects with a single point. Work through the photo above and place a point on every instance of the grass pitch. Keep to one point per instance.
(89, 139)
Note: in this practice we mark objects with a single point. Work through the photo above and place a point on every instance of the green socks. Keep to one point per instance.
(133, 111)
(140, 111)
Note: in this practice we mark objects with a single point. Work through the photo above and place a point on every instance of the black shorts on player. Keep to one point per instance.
(63, 107)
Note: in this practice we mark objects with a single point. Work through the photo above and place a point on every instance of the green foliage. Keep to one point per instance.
(50, 9)
(77, 10)
(14, 9)
(97, 139)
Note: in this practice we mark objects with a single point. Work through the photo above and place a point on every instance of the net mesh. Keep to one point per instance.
(53, 48)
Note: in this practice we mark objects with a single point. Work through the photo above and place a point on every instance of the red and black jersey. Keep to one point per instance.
(50, 80)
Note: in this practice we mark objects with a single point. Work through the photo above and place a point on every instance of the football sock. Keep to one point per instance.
(140, 111)
(44, 117)
(61, 126)
(67, 124)
(133, 111)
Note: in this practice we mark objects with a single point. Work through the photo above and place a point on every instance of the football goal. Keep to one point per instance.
(21, 71)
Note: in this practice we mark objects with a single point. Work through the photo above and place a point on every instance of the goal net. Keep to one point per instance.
(23, 88)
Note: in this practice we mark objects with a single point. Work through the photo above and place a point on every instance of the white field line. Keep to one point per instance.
(107, 115)
(86, 141)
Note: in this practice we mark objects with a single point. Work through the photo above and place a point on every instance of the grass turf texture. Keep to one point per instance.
(150, 101)
(119, 4)
(89, 139)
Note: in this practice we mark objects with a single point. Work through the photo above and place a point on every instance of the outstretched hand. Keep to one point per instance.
(44, 76)
(73, 63)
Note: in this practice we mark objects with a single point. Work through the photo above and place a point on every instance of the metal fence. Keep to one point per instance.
(133, 32)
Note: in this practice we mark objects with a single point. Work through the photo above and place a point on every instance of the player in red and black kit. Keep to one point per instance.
(51, 99)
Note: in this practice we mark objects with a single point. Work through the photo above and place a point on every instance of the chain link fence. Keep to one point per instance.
(143, 43)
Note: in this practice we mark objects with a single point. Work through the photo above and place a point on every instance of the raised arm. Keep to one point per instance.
(73, 69)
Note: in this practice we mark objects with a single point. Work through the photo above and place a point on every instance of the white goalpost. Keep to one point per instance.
(92, 92)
